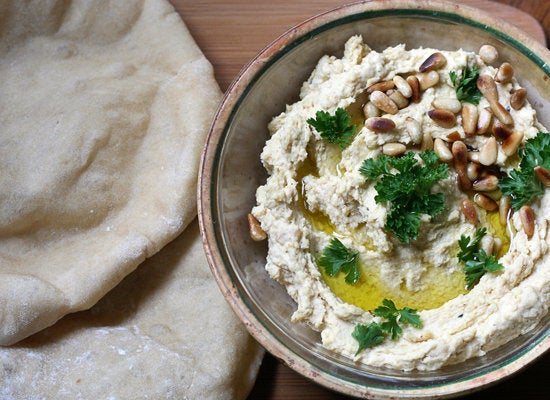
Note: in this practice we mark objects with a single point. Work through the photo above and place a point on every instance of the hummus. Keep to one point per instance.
(315, 192)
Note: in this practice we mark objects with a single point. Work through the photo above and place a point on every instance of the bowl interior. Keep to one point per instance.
(234, 172)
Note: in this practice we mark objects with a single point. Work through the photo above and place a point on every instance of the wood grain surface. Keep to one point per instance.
(231, 33)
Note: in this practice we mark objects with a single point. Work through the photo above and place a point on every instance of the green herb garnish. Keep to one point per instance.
(406, 185)
(374, 333)
(522, 185)
(466, 86)
(476, 261)
(334, 128)
(337, 257)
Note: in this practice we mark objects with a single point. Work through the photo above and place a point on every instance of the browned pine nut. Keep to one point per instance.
(500, 131)
(511, 144)
(469, 211)
(433, 62)
(504, 73)
(501, 113)
(415, 88)
(379, 124)
(504, 207)
(485, 202)
(443, 118)
(381, 86)
(488, 152)
(518, 97)
(256, 232)
(470, 116)
(487, 87)
(442, 150)
(453, 136)
(383, 102)
(487, 183)
(527, 216)
(460, 156)
(542, 174)
(393, 149)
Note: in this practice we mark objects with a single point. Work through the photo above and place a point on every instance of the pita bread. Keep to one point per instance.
(104, 106)
(165, 332)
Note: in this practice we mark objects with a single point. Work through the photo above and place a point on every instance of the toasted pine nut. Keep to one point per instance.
(415, 88)
(489, 152)
(442, 150)
(433, 62)
(484, 120)
(427, 141)
(542, 174)
(487, 183)
(504, 208)
(402, 85)
(379, 124)
(511, 144)
(470, 116)
(488, 53)
(487, 243)
(447, 103)
(443, 118)
(501, 113)
(381, 86)
(399, 100)
(428, 79)
(256, 232)
(473, 170)
(469, 211)
(393, 149)
(460, 155)
(517, 99)
(487, 87)
(462, 180)
(504, 73)
(501, 131)
(383, 102)
(473, 156)
(412, 127)
(370, 110)
(527, 216)
(453, 136)
(485, 202)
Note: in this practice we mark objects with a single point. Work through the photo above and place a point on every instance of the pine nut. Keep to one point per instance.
(470, 116)
(415, 88)
(487, 87)
(447, 103)
(433, 62)
(501, 131)
(399, 100)
(453, 136)
(442, 150)
(383, 102)
(504, 73)
(381, 86)
(488, 53)
(473, 171)
(379, 124)
(427, 142)
(460, 155)
(543, 175)
(412, 127)
(488, 152)
(501, 113)
(370, 110)
(443, 118)
(504, 207)
(393, 149)
(256, 232)
(484, 120)
(486, 184)
(485, 202)
(427, 80)
(527, 217)
(473, 156)
(511, 144)
(518, 97)
(402, 85)
(487, 243)
(469, 211)
(496, 195)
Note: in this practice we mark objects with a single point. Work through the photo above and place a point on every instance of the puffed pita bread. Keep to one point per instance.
(165, 332)
(104, 106)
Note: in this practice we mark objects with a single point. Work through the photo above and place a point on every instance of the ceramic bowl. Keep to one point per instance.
(231, 171)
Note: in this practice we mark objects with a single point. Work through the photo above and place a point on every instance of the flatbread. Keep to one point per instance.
(165, 332)
(104, 106)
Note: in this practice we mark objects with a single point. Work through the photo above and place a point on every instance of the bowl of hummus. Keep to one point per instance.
(374, 199)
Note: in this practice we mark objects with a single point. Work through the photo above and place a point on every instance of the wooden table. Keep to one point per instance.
(232, 32)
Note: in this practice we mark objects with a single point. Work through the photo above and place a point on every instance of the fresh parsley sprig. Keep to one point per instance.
(466, 85)
(476, 261)
(337, 257)
(406, 184)
(375, 333)
(334, 128)
(521, 184)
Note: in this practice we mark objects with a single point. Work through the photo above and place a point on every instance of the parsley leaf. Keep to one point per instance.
(334, 128)
(521, 184)
(406, 185)
(373, 334)
(337, 257)
(476, 261)
(368, 335)
(394, 316)
(466, 86)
